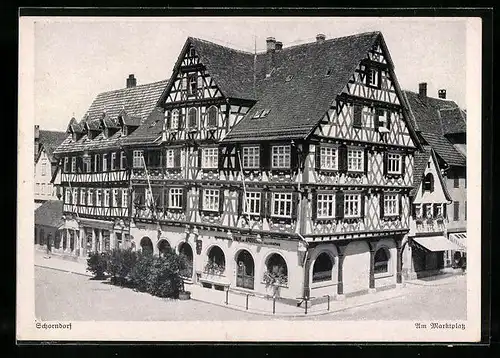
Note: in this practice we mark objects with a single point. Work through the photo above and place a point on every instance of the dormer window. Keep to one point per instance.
(288, 78)
(257, 114)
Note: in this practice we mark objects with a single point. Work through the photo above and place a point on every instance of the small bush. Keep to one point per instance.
(165, 276)
(140, 275)
(120, 264)
(97, 264)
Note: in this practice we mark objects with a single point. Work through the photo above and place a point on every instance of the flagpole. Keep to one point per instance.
(151, 196)
(244, 186)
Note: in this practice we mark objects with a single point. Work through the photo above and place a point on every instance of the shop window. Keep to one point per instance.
(323, 268)
(276, 270)
(382, 257)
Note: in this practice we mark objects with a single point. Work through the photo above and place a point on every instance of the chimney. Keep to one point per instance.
(320, 38)
(271, 44)
(279, 46)
(131, 81)
(442, 93)
(37, 139)
(422, 89)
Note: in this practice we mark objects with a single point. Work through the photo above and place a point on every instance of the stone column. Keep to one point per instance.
(340, 277)
(371, 286)
(399, 279)
(93, 240)
(101, 244)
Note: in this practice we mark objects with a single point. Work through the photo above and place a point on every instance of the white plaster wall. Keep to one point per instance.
(356, 268)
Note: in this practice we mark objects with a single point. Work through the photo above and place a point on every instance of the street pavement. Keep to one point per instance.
(67, 296)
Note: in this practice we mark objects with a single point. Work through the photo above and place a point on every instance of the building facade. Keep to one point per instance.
(46, 176)
(286, 172)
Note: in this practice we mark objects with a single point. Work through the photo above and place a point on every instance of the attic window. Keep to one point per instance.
(265, 113)
(257, 114)
(288, 78)
(192, 52)
(328, 73)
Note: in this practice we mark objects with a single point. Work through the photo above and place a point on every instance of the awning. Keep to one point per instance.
(459, 239)
(436, 243)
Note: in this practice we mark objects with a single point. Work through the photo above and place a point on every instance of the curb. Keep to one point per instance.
(64, 270)
(436, 282)
(297, 315)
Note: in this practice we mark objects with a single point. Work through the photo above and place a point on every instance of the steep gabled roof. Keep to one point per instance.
(49, 141)
(298, 92)
(444, 149)
(453, 120)
(50, 214)
(149, 132)
(422, 157)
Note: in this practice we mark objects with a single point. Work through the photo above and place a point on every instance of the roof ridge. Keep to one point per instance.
(435, 98)
(217, 44)
(132, 88)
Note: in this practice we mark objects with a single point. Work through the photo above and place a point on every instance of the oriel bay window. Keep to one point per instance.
(210, 158)
(281, 156)
(137, 159)
(250, 157)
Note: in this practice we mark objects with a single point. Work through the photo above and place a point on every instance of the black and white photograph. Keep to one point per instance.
(249, 178)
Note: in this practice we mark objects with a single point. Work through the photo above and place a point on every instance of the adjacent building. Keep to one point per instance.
(284, 172)
(47, 175)
(441, 124)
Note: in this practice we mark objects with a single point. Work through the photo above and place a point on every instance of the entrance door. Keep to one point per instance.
(245, 272)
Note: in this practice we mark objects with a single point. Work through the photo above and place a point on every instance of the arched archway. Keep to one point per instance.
(163, 247)
(246, 270)
(147, 246)
(382, 257)
(216, 261)
(186, 252)
(323, 267)
(276, 269)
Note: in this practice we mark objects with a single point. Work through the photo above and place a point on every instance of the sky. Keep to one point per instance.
(77, 58)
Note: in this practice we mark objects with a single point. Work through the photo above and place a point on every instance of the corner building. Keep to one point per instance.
(285, 172)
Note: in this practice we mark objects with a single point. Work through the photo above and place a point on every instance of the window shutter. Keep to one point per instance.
(184, 198)
(375, 118)
(413, 211)
(400, 203)
(362, 203)
(388, 118)
(200, 199)
(435, 209)
(118, 199)
(294, 160)
(199, 157)
(342, 151)
(381, 199)
(238, 157)
(295, 205)
(385, 163)
(432, 183)
(79, 164)
(240, 202)
(403, 164)
(445, 211)
(221, 200)
(339, 205)
(314, 205)
(317, 157)
(365, 160)
(357, 115)
(264, 156)
(168, 119)
(177, 157)
(180, 122)
(221, 157)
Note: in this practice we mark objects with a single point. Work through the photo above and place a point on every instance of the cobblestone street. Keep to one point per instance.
(67, 296)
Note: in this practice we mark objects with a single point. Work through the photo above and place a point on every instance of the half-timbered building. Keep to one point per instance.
(284, 172)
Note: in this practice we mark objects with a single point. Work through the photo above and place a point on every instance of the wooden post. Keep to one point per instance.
(227, 297)
(340, 284)
(328, 298)
(398, 261)
(246, 305)
(372, 245)
(306, 306)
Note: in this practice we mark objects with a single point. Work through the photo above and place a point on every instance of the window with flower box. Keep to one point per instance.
(175, 196)
(251, 156)
(325, 206)
(211, 199)
(352, 205)
(281, 156)
(282, 205)
(328, 158)
(355, 160)
(210, 158)
(252, 205)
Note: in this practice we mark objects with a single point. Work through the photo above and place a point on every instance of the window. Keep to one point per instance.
(66, 164)
(90, 199)
(251, 156)
(325, 206)
(355, 160)
(43, 188)
(282, 205)
(211, 199)
(73, 164)
(276, 269)
(212, 117)
(391, 204)
(252, 204)
(192, 52)
(114, 198)
(323, 267)
(417, 209)
(428, 183)
(124, 198)
(357, 117)
(74, 197)
(106, 197)
(382, 117)
(97, 158)
(174, 121)
(328, 158)
(170, 158)
(123, 160)
(82, 196)
(210, 158)
(393, 163)
(381, 264)
(456, 182)
(138, 161)
(192, 120)
(352, 205)
(98, 197)
(428, 210)
(67, 196)
(175, 198)
(113, 160)
(367, 117)
(372, 77)
(87, 165)
(44, 166)
(192, 84)
(281, 156)
(105, 162)
(37, 188)
(456, 210)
